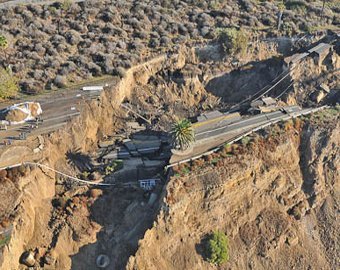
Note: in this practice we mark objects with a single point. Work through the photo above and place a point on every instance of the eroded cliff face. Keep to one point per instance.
(36, 191)
(41, 228)
(259, 197)
(276, 199)
(41, 225)
(312, 74)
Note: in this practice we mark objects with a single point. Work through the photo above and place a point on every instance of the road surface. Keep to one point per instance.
(58, 108)
(216, 135)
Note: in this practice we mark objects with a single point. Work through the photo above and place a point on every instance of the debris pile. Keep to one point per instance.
(20, 113)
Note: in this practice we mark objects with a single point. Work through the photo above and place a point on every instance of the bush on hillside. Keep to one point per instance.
(8, 84)
(3, 42)
(218, 248)
(233, 41)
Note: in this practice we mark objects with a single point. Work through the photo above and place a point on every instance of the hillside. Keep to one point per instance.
(276, 198)
(60, 44)
(74, 198)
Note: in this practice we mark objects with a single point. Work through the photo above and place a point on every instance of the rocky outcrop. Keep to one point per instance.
(36, 191)
(315, 82)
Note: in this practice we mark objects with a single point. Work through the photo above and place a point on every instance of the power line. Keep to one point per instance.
(68, 176)
(249, 98)
(272, 86)
(285, 90)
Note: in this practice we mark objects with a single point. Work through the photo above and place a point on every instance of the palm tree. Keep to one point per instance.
(182, 134)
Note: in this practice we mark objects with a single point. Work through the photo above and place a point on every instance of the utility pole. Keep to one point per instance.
(323, 8)
(281, 7)
(279, 23)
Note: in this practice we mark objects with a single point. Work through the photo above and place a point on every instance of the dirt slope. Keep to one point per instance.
(41, 220)
(276, 200)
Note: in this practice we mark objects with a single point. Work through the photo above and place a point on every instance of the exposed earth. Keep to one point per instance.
(275, 193)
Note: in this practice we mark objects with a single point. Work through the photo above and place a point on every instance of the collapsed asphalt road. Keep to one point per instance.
(57, 109)
(212, 135)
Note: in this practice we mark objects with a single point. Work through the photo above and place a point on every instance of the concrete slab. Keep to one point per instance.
(118, 153)
(107, 143)
(135, 126)
(130, 145)
(209, 115)
(154, 163)
(268, 101)
(321, 48)
(295, 58)
(144, 137)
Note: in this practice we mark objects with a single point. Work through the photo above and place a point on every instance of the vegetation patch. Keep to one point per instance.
(4, 240)
(182, 170)
(66, 5)
(8, 84)
(324, 116)
(3, 42)
(217, 248)
(85, 175)
(245, 140)
(234, 41)
(115, 165)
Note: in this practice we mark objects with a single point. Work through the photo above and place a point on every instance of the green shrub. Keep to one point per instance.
(233, 41)
(334, 111)
(245, 140)
(185, 171)
(325, 115)
(281, 6)
(3, 42)
(215, 160)
(66, 5)
(218, 248)
(116, 165)
(52, 10)
(85, 175)
(215, 4)
(8, 84)
(289, 30)
(4, 240)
